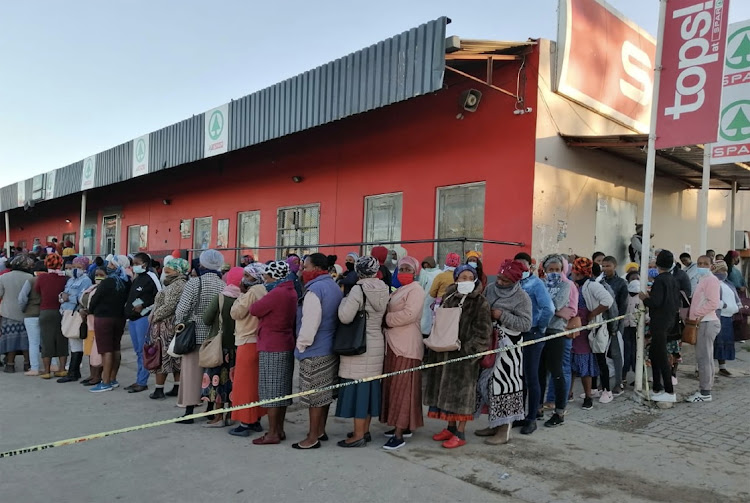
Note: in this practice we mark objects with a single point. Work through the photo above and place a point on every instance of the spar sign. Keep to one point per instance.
(693, 43)
(140, 155)
(88, 172)
(216, 131)
(733, 144)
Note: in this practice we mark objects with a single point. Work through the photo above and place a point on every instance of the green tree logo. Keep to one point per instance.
(735, 125)
(88, 170)
(738, 49)
(140, 150)
(216, 125)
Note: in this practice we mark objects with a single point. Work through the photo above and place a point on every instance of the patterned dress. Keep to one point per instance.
(162, 323)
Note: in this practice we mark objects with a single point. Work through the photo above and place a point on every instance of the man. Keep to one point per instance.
(691, 269)
(706, 300)
(711, 254)
(620, 289)
(662, 302)
(542, 310)
(140, 301)
(636, 244)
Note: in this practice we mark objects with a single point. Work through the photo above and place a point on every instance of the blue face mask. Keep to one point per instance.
(553, 277)
(472, 264)
(525, 274)
(703, 271)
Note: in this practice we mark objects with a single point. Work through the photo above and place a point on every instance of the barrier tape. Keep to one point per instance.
(260, 403)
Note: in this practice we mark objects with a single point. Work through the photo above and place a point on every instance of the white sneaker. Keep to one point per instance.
(606, 397)
(663, 396)
(698, 397)
(595, 393)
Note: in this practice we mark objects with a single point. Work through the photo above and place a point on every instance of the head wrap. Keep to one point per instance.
(119, 260)
(234, 276)
(732, 254)
(212, 260)
(634, 286)
(720, 266)
(22, 262)
(457, 272)
(665, 259)
(353, 255)
(255, 270)
(411, 262)
(583, 266)
(430, 261)
(380, 253)
(175, 253)
(474, 254)
(53, 261)
(82, 261)
(631, 266)
(338, 269)
(452, 260)
(553, 258)
(68, 252)
(278, 270)
(367, 266)
(293, 263)
(513, 270)
(178, 264)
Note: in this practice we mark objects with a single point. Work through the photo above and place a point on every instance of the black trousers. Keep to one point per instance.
(660, 367)
(552, 362)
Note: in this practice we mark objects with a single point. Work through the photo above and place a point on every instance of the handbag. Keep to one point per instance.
(211, 352)
(573, 323)
(184, 339)
(444, 334)
(488, 361)
(599, 337)
(152, 355)
(83, 331)
(690, 332)
(71, 324)
(351, 338)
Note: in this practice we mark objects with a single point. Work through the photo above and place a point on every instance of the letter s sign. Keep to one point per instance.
(638, 66)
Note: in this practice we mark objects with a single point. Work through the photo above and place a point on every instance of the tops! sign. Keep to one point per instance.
(606, 62)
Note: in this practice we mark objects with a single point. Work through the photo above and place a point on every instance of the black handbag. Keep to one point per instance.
(351, 338)
(83, 330)
(185, 336)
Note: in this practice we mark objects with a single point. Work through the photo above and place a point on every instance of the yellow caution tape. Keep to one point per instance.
(261, 403)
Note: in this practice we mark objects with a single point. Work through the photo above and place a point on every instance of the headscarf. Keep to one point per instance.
(410, 261)
(457, 272)
(720, 266)
(474, 254)
(68, 252)
(22, 262)
(211, 260)
(293, 263)
(233, 277)
(353, 255)
(513, 270)
(430, 261)
(255, 270)
(729, 259)
(583, 266)
(366, 266)
(119, 274)
(178, 264)
(278, 271)
(82, 261)
(175, 253)
(53, 261)
(452, 260)
(553, 258)
(634, 286)
(380, 253)
(632, 266)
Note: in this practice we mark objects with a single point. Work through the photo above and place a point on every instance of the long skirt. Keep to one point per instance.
(245, 384)
(164, 331)
(402, 394)
(276, 374)
(191, 376)
(54, 342)
(315, 373)
(359, 401)
(13, 337)
(217, 382)
(724, 343)
(500, 389)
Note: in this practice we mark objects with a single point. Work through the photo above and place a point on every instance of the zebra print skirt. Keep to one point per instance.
(500, 389)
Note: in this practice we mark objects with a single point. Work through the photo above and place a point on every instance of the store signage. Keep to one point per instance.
(605, 62)
(49, 190)
(88, 172)
(693, 43)
(21, 192)
(216, 131)
(140, 155)
(733, 144)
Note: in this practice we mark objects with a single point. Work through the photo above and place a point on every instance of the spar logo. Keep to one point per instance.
(734, 124)
(88, 169)
(216, 125)
(738, 49)
(140, 150)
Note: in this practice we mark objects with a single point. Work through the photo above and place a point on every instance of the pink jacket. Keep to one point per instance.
(403, 317)
(706, 299)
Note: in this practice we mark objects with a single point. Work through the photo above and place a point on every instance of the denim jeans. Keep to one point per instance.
(566, 372)
(138, 332)
(532, 355)
(35, 339)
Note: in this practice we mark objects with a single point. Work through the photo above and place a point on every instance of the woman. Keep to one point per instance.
(350, 277)
(450, 390)
(198, 294)
(78, 282)
(362, 401)
(474, 259)
(13, 336)
(317, 320)
(49, 286)
(501, 388)
(734, 274)
(29, 302)
(89, 345)
(108, 307)
(402, 394)
(217, 381)
(245, 380)
(162, 325)
(730, 305)
(276, 324)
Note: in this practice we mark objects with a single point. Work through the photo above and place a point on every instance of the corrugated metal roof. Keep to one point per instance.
(397, 69)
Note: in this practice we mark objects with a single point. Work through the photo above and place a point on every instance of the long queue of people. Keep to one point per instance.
(258, 319)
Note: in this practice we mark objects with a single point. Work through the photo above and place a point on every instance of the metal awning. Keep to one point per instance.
(684, 164)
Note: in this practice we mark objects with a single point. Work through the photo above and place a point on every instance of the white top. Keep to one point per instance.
(729, 305)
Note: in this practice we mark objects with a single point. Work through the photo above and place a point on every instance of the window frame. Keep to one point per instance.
(436, 247)
(240, 245)
(296, 249)
(367, 249)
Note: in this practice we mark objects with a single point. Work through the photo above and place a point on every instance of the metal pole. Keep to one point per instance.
(732, 214)
(648, 195)
(83, 222)
(703, 201)
(7, 235)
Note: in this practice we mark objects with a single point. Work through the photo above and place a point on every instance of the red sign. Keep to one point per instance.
(606, 62)
(693, 47)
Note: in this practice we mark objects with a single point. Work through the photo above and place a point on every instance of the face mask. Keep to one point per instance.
(247, 283)
(472, 264)
(703, 271)
(69, 273)
(350, 266)
(553, 277)
(525, 274)
(98, 280)
(465, 287)
(722, 276)
(405, 278)
(139, 269)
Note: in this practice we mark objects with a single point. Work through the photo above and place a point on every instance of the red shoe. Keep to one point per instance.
(442, 436)
(453, 442)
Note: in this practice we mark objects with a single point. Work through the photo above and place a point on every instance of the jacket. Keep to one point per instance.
(441, 283)
(276, 313)
(144, 287)
(620, 290)
(317, 318)
(29, 300)
(370, 363)
(11, 285)
(402, 319)
(560, 301)
(74, 288)
(595, 295)
(730, 301)
(211, 318)
(634, 304)
(542, 307)
(706, 299)
(692, 272)
(663, 303)
(246, 325)
(108, 301)
(191, 307)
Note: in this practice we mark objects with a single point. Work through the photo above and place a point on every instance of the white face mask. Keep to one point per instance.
(139, 269)
(465, 287)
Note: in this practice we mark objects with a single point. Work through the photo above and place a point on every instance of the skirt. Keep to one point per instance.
(245, 384)
(501, 408)
(13, 337)
(109, 333)
(191, 377)
(315, 373)
(276, 371)
(402, 394)
(584, 365)
(359, 401)
(724, 343)
(164, 331)
(54, 342)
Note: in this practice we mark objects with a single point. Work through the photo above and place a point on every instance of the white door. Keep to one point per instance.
(615, 225)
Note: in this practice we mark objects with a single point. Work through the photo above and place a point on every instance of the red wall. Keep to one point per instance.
(412, 147)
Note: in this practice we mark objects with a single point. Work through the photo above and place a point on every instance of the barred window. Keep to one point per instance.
(248, 233)
(298, 230)
(460, 213)
(383, 219)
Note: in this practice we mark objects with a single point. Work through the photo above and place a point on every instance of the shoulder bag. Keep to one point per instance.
(71, 324)
(599, 336)
(690, 332)
(488, 361)
(351, 338)
(211, 353)
(152, 355)
(444, 334)
(184, 339)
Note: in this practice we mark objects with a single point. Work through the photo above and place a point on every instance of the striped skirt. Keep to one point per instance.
(318, 372)
(276, 371)
(402, 394)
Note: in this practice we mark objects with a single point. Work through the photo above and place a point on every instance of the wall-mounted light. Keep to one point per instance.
(166, 202)
(297, 179)
(67, 220)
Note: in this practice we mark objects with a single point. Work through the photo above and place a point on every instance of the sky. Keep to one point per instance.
(83, 76)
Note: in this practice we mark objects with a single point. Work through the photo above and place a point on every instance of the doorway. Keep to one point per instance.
(110, 233)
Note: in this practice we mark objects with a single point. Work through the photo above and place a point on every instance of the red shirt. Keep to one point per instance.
(50, 286)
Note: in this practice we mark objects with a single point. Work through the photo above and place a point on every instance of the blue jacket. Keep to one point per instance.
(542, 307)
(74, 288)
(329, 294)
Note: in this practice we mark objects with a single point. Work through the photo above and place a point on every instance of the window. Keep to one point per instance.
(383, 219)
(298, 230)
(137, 238)
(37, 188)
(460, 213)
(70, 236)
(222, 233)
(202, 233)
(248, 233)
